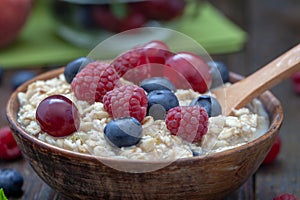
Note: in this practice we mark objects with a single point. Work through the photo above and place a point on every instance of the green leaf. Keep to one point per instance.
(2, 195)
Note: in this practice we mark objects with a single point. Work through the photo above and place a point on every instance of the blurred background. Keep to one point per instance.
(38, 35)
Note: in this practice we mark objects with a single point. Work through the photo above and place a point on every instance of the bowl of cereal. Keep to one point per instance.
(90, 139)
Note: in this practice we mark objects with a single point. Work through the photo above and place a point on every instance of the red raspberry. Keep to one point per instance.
(126, 101)
(128, 60)
(188, 122)
(285, 196)
(274, 151)
(94, 81)
(9, 149)
(144, 57)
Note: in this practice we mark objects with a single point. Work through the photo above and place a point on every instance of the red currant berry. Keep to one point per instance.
(285, 196)
(193, 68)
(274, 151)
(58, 116)
(296, 82)
(9, 149)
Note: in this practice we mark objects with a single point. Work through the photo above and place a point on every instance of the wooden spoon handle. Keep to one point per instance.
(242, 92)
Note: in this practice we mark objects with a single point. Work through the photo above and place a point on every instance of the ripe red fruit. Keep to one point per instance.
(274, 151)
(188, 122)
(94, 81)
(155, 52)
(126, 101)
(296, 82)
(285, 196)
(192, 67)
(58, 116)
(13, 15)
(9, 149)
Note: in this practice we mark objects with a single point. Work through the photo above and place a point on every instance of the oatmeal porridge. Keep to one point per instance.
(224, 132)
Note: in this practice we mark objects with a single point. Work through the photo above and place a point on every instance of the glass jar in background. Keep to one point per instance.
(85, 23)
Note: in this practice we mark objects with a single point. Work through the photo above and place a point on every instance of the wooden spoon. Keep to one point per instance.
(242, 92)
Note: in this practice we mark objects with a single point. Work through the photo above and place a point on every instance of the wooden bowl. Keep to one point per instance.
(80, 176)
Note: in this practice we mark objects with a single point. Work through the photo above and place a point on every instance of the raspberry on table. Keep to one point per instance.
(296, 82)
(94, 81)
(285, 196)
(126, 101)
(274, 151)
(188, 122)
(9, 149)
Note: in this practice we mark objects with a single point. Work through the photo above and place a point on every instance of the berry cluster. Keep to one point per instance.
(156, 73)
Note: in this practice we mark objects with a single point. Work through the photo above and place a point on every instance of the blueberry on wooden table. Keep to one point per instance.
(1, 74)
(11, 181)
(21, 77)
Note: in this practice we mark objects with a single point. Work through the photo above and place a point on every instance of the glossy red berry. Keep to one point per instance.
(9, 149)
(285, 196)
(192, 67)
(188, 122)
(155, 52)
(58, 116)
(274, 151)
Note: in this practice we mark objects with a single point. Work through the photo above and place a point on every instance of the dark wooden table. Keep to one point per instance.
(273, 27)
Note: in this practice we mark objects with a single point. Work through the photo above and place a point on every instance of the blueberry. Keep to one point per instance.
(196, 153)
(73, 67)
(123, 132)
(219, 72)
(11, 181)
(1, 74)
(210, 104)
(159, 102)
(157, 83)
(21, 77)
